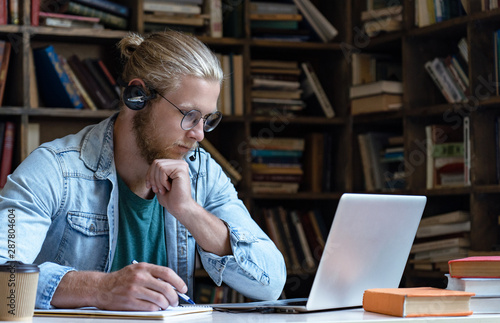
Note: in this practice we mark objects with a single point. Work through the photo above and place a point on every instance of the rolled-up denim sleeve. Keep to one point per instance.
(31, 196)
(50, 277)
(256, 267)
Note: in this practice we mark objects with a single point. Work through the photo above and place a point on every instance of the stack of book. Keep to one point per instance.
(377, 96)
(299, 235)
(108, 13)
(382, 158)
(387, 17)
(73, 82)
(276, 87)
(276, 164)
(448, 154)
(188, 15)
(376, 85)
(434, 11)
(231, 95)
(440, 238)
(479, 275)
(489, 5)
(276, 21)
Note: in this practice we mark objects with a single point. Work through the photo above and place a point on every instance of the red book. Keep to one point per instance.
(475, 267)
(3, 12)
(417, 302)
(35, 11)
(5, 59)
(7, 152)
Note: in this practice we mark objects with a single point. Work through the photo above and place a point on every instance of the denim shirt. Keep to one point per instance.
(62, 202)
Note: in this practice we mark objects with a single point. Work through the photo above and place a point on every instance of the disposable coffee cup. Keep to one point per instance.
(18, 283)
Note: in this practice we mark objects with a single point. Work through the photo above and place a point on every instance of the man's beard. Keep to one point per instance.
(150, 146)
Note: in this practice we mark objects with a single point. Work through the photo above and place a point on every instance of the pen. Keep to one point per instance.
(181, 295)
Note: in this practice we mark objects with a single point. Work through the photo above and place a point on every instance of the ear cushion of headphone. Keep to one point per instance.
(135, 97)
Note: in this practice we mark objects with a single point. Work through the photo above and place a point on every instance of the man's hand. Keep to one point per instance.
(137, 287)
(169, 180)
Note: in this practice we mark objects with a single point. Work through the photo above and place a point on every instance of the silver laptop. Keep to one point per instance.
(367, 247)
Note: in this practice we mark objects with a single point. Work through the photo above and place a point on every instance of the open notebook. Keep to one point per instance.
(367, 247)
(156, 315)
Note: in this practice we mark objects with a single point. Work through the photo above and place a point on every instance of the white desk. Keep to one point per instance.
(352, 315)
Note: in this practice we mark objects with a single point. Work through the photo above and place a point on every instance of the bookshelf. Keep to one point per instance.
(425, 105)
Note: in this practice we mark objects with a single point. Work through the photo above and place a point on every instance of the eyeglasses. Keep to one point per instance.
(191, 118)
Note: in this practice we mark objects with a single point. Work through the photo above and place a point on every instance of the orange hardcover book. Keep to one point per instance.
(417, 301)
(475, 267)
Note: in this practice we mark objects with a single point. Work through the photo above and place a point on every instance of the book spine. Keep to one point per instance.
(172, 7)
(106, 18)
(70, 90)
(35, 11)
(3, 12)
(88, 83)
(102, 82)
(437, 82)
(109, 76)
(308, 258)
(7, 153)
(14, 12)
(108, 6)
(318, 90)
(214, 9)
(5, 49)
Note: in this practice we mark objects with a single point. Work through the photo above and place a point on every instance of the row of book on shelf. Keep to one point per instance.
(287, 165)
(297, 20)
(382, 17)
(299, 235)
(287, 88)
(448, 157)
(376, 83)
(201, 16)
(450, 74)
(434, 11)
(473, 287)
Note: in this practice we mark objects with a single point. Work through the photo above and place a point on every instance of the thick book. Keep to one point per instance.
(442, 229)
(323, 28)
(314, 82)
(108, 6)
(108, 19)
(222, 161)
(444, 218)
(54, 85)
(376, 103)
(379, 87)
(475, 267)
(479, 286)
(3, 12)
(417, 302)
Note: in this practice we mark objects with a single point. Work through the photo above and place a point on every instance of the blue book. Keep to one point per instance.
(54, 85)
(108, 6)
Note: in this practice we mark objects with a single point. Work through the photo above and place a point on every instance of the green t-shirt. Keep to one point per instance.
(141, 230)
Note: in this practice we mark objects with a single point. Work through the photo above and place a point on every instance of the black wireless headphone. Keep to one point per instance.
(136, 98)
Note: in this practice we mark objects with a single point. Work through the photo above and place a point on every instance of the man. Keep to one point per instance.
(134, 187)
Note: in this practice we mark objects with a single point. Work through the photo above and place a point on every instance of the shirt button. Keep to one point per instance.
(92, 227)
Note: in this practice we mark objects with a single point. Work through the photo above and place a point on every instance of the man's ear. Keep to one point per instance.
(138, 82)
